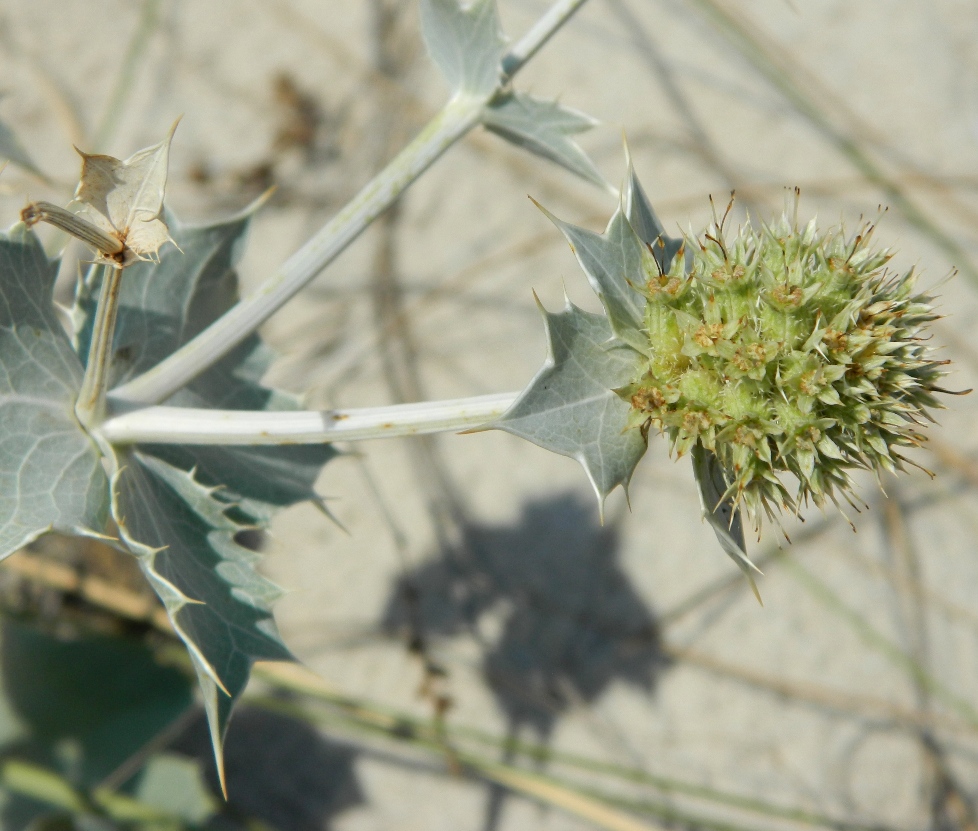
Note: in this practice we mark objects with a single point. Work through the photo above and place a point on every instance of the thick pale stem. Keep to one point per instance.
(454, 121)
(90, 406)
(184, 425)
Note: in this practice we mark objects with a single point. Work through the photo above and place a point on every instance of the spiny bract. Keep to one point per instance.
(785, 350)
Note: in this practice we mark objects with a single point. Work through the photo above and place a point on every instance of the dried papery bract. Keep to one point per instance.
(122, 203)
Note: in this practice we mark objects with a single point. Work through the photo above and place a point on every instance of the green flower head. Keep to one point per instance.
(780, 357)
(784, 350)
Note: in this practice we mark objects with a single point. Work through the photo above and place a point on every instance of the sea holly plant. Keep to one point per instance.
(147, 425)
(778, 353)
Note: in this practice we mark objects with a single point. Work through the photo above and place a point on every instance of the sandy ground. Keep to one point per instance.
(852, 693)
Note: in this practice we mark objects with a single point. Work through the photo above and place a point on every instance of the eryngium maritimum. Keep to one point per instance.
(786, 351)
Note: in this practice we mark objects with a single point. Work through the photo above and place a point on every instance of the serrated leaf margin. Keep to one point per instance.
(605, 346)
(545, 129)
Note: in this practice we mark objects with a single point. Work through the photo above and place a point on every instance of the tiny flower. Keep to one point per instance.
(785, 350)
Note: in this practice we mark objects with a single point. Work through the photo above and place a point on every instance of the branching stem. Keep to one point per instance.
(184, 425)
(458, 116)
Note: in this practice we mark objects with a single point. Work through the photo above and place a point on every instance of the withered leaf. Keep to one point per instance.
(125, 198)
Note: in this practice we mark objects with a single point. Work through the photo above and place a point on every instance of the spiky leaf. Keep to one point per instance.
(613, 262)
(191, 498)
(466, 43)
(219, 604)
(544, 128)
(51, 477)
(570, 407)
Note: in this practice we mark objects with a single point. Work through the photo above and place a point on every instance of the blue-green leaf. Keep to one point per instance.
(570, 407)
(164, 304)
(466, 43)
(219, 604)
(613, 262)
(55, 688)
(51, 476)
(544, 128)
(64, 729)
(191, 499)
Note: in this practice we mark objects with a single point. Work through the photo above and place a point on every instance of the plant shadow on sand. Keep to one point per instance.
(572, 623)
(279, 770)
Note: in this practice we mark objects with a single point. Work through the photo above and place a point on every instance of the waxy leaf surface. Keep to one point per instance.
(192, 500)
(645, 223)
(720, 511)
(612, 262)
(51, 476)
(219, 605)
(570, 408)
(465, 42)
(544, 128)
(162, 306)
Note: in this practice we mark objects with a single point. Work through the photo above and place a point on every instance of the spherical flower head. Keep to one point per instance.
(785, 350)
